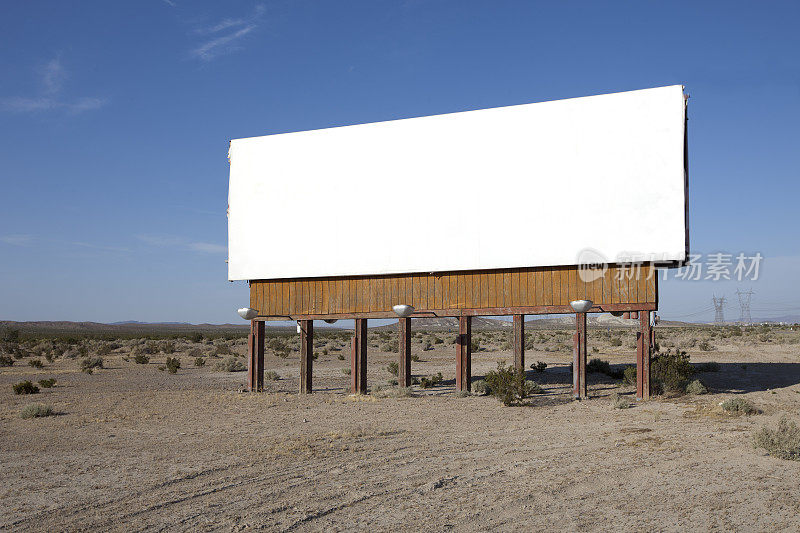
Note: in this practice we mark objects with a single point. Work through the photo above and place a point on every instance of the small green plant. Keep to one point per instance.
(480, 387)
(231, 364)
(36, 410)
(739, 406)
(427, 382)
(783, 442)
(619, 401)
(346, 371)
(141, 359)
(6, 360)
(705, 346)
(711, 366)
(598, 366)
(615, 341)
(340, 357)
(172, 364)
(271, 375)
(629, 375)
(25, 387)
(90, 363)
(415, 358)
(539, 366)
(696, 387)
(510, 386)
(47, 383)
(36, 363)
(199, 361)
(393, 368)
(670, 371)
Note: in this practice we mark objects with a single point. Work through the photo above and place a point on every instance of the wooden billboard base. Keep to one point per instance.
(645, 340)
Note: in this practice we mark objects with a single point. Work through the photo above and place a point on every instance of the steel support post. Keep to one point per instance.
(579, 389)
(306, 356)
(404, 364)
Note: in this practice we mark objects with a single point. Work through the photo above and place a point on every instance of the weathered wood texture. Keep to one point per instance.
(255, 360)
(451, 292)
(579, 389)
(519, 343)
(306, 356)
(644, 339)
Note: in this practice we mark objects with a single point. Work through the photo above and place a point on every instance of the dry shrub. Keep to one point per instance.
(141, 359)
(739, 406)
(47, 383)
(36, 410)
(670, 371)
(172, 364)
(90, 363)
(231, 364)
(199, 361)
(6, 360)
(428, 382)
(271, 375)
(25, 387)
(783, 442)
(696, 387)
(510, 386)
(620, 402)
(36, 363)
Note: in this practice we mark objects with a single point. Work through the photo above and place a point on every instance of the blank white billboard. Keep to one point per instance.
(540, 184)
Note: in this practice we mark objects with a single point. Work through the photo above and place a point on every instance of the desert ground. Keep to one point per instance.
(132, 446)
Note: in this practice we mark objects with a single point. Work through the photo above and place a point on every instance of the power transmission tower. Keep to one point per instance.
(719, 304)
(744, 302)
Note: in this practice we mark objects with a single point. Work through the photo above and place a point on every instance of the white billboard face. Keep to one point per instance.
(541, 184)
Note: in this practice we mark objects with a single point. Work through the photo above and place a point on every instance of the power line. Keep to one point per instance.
(744, 303)
(719, 304)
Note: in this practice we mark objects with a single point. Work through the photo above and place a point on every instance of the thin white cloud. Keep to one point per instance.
(52, 76)
(234, 30)
(170, 3)
(17, 240)
(207, 247)
(169, 241)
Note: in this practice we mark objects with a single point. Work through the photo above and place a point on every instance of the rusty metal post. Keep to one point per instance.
(255, 360)
(464, 354)
(519, 343)
(358, 364)
(643, 353)
(404, 365)
(306, 356)
(579, 389)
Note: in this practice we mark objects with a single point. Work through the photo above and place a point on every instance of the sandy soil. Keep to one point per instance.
(135, 448)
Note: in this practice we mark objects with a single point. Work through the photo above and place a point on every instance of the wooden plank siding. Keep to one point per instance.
(450, 293)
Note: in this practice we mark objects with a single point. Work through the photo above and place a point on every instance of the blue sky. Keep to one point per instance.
(115, 119)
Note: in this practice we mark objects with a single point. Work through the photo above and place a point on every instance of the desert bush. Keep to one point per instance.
(271, 375)
(414, 358)
(629, 375)
(391, 346)
(739, 406)
(615, 341)
(10, 335)
(90, 363)
(103, 349)
(346, 371)
(705, 346)
(25, 387)
(168, 347)
(36, 410)
(6, 360)
(783, 442)
(141, 359)
(475, 345)
(539, 366)
(619, 401)
(598, 366)
(711, 366)
(426, 382)
(36, 363)
(199, 361)
(670, 371)
(222, 349)
(340, 357)
(172, 364)
(47, 383)
(150, 347)
(509, 385)
(194, 352)
(393, 368)
(480, 387)
(231, 364)
(696, 387)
